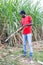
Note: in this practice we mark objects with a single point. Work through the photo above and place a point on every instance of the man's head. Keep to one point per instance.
(22, 13)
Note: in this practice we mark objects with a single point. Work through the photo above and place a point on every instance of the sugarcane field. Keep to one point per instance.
(21, 32)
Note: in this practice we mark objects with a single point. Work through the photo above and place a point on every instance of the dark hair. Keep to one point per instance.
(22, 12)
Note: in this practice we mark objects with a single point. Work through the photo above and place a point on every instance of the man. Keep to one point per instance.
(26, 22)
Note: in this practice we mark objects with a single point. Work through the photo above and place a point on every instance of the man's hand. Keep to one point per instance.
(25, 26)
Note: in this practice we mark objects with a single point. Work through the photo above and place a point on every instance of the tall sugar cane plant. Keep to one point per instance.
(9, 14)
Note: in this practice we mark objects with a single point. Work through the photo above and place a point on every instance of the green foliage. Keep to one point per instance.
(10, 9)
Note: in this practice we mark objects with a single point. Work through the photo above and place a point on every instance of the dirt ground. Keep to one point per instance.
(13, 54)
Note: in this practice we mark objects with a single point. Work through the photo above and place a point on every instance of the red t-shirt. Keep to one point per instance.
(24, 21)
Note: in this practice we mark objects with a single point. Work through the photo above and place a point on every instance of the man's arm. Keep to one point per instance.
(26, 25)
(31, 23)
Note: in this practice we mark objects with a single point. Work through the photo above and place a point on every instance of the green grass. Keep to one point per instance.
(38, 56)
(7, 60)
